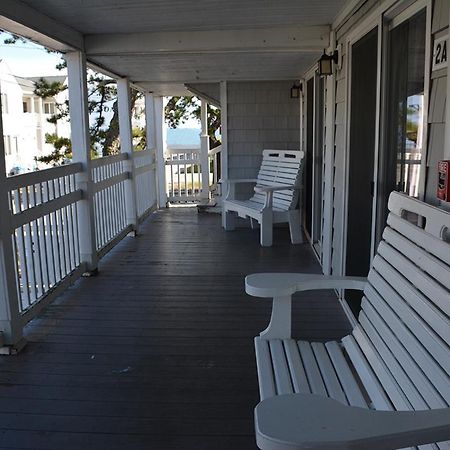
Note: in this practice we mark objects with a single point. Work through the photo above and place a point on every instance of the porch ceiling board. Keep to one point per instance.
(212, 67)
(125, 16)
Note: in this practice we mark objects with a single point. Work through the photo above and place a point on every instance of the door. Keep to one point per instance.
(362, 134)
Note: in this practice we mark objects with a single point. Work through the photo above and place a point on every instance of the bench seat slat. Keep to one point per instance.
(388, 382)
(265, 369)
(327, 372)
(373, 387)
(312, 369)
(298, 374)
(282, 378)
(394, 367)
(353, 392)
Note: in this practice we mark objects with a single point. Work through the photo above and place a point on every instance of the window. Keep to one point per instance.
(4, 104)
(49, 108)
(7, 143)
(405, 103)
(26, 102)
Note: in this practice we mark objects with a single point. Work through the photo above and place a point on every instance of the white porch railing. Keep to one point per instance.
(44, 230)
(183, 175)
(44, 222)
(144, 163)
(215, 166)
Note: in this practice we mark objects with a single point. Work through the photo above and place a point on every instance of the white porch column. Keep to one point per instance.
(204, 150)
(10, 326)
(224, 133)
(160, 147)
(126, 146)
(81, 152)
(151, 141)
(447, 119)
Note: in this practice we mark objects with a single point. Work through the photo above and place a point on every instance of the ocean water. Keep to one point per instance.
(183, 136)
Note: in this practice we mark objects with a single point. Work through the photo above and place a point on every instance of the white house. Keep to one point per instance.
(25, 120)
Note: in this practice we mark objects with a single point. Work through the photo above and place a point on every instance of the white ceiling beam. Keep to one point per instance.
(20, 19)
(282, 39)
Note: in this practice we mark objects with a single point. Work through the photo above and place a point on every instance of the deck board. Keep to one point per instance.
(156, 352)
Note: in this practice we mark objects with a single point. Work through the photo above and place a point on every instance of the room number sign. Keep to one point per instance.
(440, 53)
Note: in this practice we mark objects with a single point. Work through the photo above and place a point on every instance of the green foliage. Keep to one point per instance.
(62, 150)
(180, 109)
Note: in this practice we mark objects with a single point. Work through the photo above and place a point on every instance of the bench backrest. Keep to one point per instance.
(404, 327)
(280, 167)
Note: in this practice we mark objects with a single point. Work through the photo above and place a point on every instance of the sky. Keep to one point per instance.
(32, 60)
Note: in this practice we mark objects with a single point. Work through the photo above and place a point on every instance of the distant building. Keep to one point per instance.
(25, 120)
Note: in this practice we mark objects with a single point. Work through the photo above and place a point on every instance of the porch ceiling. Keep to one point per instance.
(162, 44)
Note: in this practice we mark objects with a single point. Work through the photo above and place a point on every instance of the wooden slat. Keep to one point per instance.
(266, 378)
(436, 268)
(428, 242)
(371, 383)
(394, 305)
(311, 368)
(280, 367)
(426, 309)
(298, 374)
(328, 374)
(433, 371)
(347, 379)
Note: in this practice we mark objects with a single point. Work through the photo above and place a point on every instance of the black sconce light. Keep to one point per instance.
(295, 90)
(325, 63)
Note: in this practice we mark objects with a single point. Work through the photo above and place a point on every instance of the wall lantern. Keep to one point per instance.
(325, 63)
(295, 90)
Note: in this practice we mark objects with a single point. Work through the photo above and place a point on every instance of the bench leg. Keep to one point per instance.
(229, 220)
(295, 227)
(253, 223)
(266, 232)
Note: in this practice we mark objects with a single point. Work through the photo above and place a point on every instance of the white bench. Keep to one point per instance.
(366, 391)
(276, 196)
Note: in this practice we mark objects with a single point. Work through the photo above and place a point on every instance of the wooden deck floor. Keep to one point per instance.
(156, 352)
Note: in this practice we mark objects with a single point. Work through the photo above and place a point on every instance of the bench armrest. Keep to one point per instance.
(281, 286)
(231, 191)
(284, 284)
(306, 421)
(281, 187)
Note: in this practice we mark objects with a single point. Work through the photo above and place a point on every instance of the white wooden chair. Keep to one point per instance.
(276, 198)
(368, 390)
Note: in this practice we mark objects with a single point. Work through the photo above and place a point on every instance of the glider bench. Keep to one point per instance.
(387, 384)
(276, 196)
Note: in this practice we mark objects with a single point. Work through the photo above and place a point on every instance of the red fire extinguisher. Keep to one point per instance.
(443, 190)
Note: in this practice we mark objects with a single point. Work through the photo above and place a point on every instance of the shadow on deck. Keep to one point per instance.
(156, 352)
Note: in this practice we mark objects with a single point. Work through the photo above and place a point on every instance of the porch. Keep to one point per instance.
(156, 351)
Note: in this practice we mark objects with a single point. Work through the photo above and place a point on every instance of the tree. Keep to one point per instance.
(180, 109)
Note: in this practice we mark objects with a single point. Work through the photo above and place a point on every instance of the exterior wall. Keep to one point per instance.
(261, 115)
(436, 117)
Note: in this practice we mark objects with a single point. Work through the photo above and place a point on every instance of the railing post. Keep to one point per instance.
(126, 146)
(81, 152)
(160, 147)
(204, 158)
(11, 338)
(224, 152)
(151, 138)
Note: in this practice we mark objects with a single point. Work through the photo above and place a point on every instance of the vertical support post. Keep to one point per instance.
(204, 150)
(126, 146)
(224, 133)
(160, 147)
(327, 232)
(10, 326)
(81, 151)
(151, 141)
